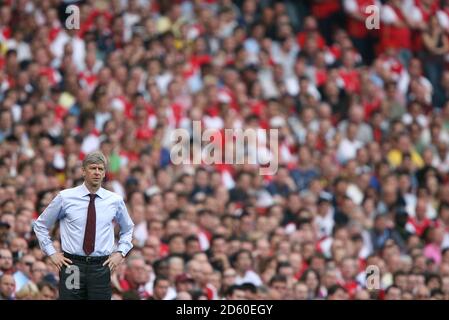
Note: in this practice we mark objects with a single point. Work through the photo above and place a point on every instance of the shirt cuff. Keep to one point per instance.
(122, 249)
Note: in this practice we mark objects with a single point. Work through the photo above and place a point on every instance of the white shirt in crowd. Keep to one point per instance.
(251, 277)
(347, 149)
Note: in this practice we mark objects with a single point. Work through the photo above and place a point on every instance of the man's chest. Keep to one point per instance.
(75, 212)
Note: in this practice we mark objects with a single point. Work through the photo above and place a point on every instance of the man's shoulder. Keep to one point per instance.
(69, 191)
(110, 194)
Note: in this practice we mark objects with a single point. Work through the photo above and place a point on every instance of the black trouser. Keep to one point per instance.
(86, 279)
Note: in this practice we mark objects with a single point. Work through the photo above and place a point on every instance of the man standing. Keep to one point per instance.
(86, 215)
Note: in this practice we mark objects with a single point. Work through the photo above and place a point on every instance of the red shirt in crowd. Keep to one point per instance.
(396, 35)
(419, 226)
(323, 9)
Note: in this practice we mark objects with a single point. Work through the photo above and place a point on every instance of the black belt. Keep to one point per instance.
(87, 259)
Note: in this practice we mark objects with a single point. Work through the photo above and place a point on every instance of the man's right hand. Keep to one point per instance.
(58, 260)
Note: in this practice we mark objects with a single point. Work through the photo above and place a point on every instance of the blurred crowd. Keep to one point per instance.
(363, 119)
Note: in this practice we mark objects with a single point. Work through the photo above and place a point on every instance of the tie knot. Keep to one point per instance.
(92, 196)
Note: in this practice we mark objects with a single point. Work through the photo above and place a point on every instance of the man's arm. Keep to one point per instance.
(45, 222)
(126, 228)
(126, 234)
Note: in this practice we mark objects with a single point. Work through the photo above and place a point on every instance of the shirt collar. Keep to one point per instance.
(85, 191)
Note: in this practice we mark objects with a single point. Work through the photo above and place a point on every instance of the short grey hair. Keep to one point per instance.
(132, 258)
(174, 260)
(95, 157)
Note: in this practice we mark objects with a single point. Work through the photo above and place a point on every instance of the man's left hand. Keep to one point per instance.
(114, 260)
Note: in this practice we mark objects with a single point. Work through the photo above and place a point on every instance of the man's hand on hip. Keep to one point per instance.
(114, 260)
(58, 260)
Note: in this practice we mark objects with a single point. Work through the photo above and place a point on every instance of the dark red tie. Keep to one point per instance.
(89, 234)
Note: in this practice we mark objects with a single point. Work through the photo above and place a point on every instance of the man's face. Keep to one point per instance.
(348, 269)
(4, 234)
(137, 272)
(38, 271)
(229, 277)
(172, 226)
(245, 181)
(300, 292)
(177, 245)
(394, 294)
(244, 262)
(7, 286)
(422, 293)
(339, 295)
(263, 248)
(195, 271)
(193, 247)
(170, 201)
(330, 278)
(401, 282)
(27, 263)
(5, 260)
(19, 244)
(380, 224)
(280, 287)
(362, 295)
(8, 217)
(318, 264)
(161, 288)
(47, 294)
(94, 174)
(175, 269)
(202, 179)
(22, 224)
(207, 271)
(323, 207)
(156, 229)
(238, 295)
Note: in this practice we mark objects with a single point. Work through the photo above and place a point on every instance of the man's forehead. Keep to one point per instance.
(8, 279)
(95, 165)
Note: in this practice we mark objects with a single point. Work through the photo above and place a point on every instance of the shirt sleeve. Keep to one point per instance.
(443, 19)
(350, 6)
(416, 15)
(387, 15)
(45, 222)
(126, 228)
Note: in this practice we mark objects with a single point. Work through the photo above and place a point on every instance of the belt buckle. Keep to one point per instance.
(88, 259)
